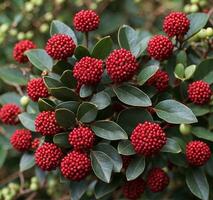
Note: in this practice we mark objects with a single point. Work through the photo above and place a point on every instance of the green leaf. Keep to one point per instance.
(171, 146)
(125, 148)
(147, 73)
(112, 153)
(51, 82)
(60, 27)
(12, 76)
(86, 91)
(70, 105)
(77, 189)
(133, 116)
(10, 97)
(3, 156)
(179, 71)
(87, 112)
(182, 58)
(197, 22)
(46, 104)
(102, 48)
(204, 71)
(189, 71)
(197, 183)
(65, 117)
(128, 39)
(27, 120)
(102, 189)
(68, 80)
(27, 161)
(199, 110)
(109, 130)
(61, 140)
(64, 94)
(101, 100)
(203, 133)
(81, 51)
(174, 112)
(40, 59)
(102, 165)
(132, 96)
(135, 168)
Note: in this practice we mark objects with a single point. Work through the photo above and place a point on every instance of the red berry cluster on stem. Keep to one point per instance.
(148, 138)
(134, 189)
(199, 92)
(20, 48)
(48, 156)
(75, 166)
(197, 153)
(46, 124)
(9, 114)
(86, 20)
(21, 140)
(121, 65)
(60, 46)
(36, 89)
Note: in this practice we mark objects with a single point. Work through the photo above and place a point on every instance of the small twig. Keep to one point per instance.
(87, 39)
(19, 90)
(21, 177)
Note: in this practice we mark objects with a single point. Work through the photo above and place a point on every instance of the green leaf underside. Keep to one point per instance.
(77, 189)
(203, 133)
(171, 146)
(27, 121)
(125, 148)
(26, 162)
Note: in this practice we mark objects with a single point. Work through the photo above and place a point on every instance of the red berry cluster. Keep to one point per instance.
(36, 89)
(148, 138)
(121, 65)
(199, 92)
(21, 140)
(157, 180)
(60, 46)
(126, 161)
(75, 166)
(86, 20)
(46, 124)
(176, 24)
(197, 153)
(160, 80)
(35, 143)
(48, 156)
(20, 48)
(88, 71)
(81, 138)
(134, 189)
(160, 47)
(9, 114)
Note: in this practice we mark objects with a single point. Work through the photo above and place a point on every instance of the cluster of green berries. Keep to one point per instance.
(9, 192)
(34, 183)
(204, 33)
(195, 6)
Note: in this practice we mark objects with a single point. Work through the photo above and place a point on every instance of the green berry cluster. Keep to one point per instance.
(195, 6)
(10, 191)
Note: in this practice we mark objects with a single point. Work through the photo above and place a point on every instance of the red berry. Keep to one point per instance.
(134, 189)
(75, 166)
(82, 138)
(176, 24)
(160, 80)
(160, 47)
(126, 161)
(46, 124)
(199, 92)
(60, 46)
(36, 89)
(9, 114)
(121, 65)
(48, 156)
(86, 20)
(88, 71)
(197, 153)
(21, 140)
(20, 48)
(35, 143)
(157, 180)
(148, 138)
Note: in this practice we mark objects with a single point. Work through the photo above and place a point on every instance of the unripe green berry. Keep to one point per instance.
(44, 28)
(194, 8)
(187, 8)
(34, 186)
(185, 129)
(29, 6)
(37, 2)
(20, 36)
(4, 28)
(203, 3)
(195, 1)
(29, 34)
(24, 100)
(209, 31)
(48, 16)
(202, 33)
(14, 186)
(34, 179)
(13, 32)
(5, 191)
(52, 183)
